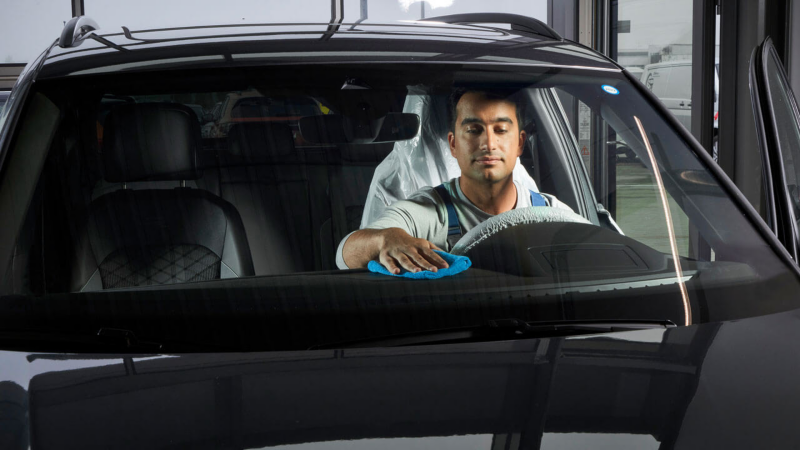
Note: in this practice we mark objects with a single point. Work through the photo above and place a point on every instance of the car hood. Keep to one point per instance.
(718, 385)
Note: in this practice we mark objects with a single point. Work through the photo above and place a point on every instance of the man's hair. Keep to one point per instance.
(490, 94)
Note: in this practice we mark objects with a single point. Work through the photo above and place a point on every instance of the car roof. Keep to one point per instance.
(242, 45)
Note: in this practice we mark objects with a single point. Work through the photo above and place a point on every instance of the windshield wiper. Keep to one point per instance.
(502, 329)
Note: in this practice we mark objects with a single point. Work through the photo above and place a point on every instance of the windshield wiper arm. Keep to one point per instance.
(503, 329)
(578, 326)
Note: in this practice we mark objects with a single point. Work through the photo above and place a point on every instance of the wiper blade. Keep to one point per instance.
(503, 329)
(577, 326)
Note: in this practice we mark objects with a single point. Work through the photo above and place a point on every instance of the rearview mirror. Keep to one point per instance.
(336, 129)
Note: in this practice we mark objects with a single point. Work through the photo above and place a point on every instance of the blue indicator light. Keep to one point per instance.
(610, 89)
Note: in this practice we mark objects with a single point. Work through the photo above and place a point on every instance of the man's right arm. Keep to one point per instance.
(393, 248)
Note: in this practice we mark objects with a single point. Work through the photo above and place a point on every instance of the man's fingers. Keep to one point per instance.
(421, 259)
(408, 264)
(435, 259)
(389, 263)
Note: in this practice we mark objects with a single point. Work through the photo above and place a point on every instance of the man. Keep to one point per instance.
(486, 139)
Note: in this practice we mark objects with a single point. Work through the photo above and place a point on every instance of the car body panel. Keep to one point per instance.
(723, 385)
(278, 44)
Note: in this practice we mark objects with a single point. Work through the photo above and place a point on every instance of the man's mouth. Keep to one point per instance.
(488, 160)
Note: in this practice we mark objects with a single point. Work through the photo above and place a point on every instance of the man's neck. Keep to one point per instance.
(491, 198)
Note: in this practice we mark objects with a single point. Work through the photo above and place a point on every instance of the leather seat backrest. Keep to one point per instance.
(136, 237)
(270, 183)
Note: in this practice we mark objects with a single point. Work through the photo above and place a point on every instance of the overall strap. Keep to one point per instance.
(453, 226)
(538, 199)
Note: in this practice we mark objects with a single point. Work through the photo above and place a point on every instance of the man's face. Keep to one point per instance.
(487, 139)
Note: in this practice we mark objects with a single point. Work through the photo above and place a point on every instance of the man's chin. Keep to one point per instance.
(491, 176)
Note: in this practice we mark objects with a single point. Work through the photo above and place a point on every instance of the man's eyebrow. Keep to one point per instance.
(469, 120)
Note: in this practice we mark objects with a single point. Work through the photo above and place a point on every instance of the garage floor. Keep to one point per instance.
(640, 213)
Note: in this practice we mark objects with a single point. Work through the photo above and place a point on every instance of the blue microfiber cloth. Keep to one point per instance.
(457, 264)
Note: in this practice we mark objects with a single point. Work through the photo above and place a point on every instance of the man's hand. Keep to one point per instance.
(392, 247)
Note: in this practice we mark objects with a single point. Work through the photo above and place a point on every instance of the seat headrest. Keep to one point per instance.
(260, 141)
(151, 141)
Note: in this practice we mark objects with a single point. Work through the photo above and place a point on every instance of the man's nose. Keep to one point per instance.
(490, 140)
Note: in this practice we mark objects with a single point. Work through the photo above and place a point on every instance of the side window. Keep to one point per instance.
(624, 183)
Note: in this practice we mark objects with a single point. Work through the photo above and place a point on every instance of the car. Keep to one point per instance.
(671, 81)
(167, 287)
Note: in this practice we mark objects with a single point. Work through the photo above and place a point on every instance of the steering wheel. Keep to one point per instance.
(513, 218)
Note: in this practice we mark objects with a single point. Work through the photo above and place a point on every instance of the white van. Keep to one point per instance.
(671, 82)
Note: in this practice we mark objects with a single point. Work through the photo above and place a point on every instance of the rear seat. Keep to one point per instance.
(272, 185)
(350, 183)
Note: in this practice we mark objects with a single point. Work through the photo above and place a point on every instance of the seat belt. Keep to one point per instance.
(454, 231)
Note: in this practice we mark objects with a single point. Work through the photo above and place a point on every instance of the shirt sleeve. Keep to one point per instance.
(420, 216)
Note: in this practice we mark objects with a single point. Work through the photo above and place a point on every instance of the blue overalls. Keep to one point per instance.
(454, 231)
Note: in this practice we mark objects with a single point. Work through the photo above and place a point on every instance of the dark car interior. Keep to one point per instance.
(150, 202)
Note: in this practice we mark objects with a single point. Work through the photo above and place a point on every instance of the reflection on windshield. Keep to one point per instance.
(668, 216)
(244, 190)
(443, 442)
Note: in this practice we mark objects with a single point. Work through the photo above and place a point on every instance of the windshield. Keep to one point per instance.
(253, 200)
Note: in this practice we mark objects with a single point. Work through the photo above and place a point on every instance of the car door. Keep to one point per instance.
(778, 130)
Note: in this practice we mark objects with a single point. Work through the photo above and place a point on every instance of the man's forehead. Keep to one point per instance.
(472, 103)
(481, 100)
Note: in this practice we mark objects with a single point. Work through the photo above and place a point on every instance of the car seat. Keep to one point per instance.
(138, 237)
(272, 184)
(422, 161)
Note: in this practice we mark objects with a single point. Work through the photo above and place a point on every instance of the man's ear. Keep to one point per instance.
(522, 137)
(451, 139)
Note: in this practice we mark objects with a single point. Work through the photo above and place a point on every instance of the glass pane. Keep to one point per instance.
(383, 11)
(113, 14)
(160, 189)
(654, 41)
(639, 212)
(35, 25)
(787, 125)
(680, 82)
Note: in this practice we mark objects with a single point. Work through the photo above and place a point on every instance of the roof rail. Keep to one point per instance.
(76, 30)
(517, 22)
